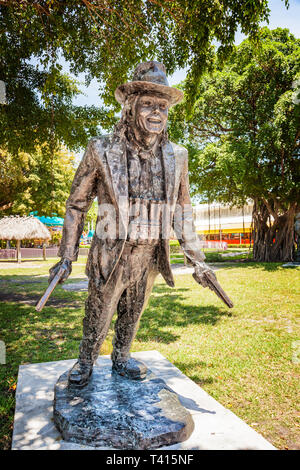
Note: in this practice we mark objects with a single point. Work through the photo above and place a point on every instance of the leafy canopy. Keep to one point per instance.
(104, 39)
(32, 182)
(244, 135)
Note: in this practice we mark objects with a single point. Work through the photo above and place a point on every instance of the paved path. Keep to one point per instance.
(232, 255)
(19, 265)
(79, 282)
(178, 269)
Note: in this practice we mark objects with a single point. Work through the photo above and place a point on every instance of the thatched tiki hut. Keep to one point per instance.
(21, 228)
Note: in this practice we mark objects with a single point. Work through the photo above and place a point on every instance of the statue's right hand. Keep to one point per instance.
(64, 263)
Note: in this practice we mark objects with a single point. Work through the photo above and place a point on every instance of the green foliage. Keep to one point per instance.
(40, 109)
(244, 135)
(104, 40)
(91, 216)
(13, 176)
(32, 182)
(55, 238)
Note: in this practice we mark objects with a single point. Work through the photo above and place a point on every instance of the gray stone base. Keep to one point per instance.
(216, 428)
(292, 264)
(121, 413)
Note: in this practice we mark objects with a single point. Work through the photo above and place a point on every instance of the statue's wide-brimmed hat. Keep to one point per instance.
(149, 77)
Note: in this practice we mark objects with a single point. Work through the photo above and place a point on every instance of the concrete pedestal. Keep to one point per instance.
(118, 412)
(215, 426)
(292, 264)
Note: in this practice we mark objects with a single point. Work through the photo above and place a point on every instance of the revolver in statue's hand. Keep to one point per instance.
(200, 274)
(207, 278)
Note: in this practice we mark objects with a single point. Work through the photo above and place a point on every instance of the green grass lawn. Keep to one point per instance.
(212, 255)
(215, 256)
(243, 357)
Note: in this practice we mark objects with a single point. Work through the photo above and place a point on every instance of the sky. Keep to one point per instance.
(280, 17)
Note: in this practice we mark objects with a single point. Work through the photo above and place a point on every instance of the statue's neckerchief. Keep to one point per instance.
(137, 150)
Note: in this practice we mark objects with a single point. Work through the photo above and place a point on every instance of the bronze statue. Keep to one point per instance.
(141, 181)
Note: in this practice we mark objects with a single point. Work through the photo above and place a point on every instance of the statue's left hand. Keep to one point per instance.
(199, 276)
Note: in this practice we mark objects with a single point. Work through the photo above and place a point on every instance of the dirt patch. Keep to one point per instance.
(33, 299)
(21, 282)
(20, 266)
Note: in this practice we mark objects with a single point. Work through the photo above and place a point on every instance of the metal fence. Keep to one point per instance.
(28, 253)
(214, 245)
(11, 253)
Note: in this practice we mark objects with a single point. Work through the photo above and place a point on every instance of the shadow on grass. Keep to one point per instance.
(166, 310)
(19, 287)
(169, 310)
(31, 336)
(192, 368)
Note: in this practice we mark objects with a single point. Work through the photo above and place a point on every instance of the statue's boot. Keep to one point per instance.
(80, 374)
(130, 368)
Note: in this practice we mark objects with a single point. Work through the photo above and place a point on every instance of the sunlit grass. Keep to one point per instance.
(243, 357)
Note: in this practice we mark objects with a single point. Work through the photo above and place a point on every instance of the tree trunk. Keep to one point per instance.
(44, 252)
(273, 231)
(19, 251)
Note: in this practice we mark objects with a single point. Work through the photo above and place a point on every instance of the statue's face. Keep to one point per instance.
(151, 113)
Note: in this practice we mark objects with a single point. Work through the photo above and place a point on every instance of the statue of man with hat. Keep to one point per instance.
(141, 181)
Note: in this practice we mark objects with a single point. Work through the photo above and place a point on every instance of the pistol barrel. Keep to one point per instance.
(41, 303)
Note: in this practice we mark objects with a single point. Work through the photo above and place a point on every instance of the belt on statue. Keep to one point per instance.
(143, 242)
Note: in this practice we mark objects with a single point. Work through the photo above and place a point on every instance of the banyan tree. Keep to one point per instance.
(23, 228)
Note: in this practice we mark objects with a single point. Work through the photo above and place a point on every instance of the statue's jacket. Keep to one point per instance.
(103, 173)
